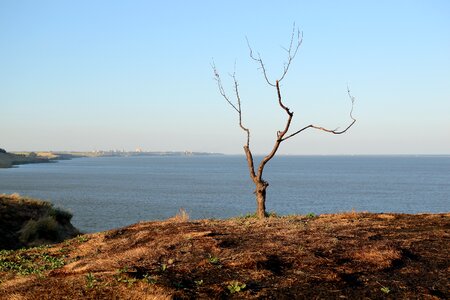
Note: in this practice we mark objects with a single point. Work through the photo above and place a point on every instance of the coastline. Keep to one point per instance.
(9, 160)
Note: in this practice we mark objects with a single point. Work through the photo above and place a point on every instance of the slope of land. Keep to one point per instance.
(27, 222)
(342, 256)
(7, 160)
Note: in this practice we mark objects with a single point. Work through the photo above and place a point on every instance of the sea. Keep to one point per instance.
(110, 192)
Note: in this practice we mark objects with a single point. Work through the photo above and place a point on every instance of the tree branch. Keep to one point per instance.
(238, 109)
(280, 134)
(291, 53)
(221, 89)
(238, 97)
(335, 131)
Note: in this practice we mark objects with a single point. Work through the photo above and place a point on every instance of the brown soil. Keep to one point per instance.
(342, 256)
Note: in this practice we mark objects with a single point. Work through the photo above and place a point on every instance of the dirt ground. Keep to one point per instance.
(342, 256)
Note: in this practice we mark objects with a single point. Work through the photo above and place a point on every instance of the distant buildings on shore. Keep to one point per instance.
(140, 152)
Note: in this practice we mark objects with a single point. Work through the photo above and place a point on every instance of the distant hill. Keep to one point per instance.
(7, 160)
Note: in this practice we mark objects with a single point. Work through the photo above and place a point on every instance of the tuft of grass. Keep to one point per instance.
(272, 214)
(124, 279)
(214, 260)
(198, 282)
(82, 238)
(15, 196)
(163, 267)
(248, 216)
(181, 216)
(90, 280)
(311, 215)
(236, 287)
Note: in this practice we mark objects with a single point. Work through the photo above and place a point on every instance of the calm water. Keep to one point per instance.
(105, 193)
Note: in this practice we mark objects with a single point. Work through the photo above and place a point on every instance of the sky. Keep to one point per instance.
(99, 75)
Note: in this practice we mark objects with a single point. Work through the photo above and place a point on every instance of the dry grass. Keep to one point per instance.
(181, 216)
(379, 257)
(331, 256)
(16, 198)
(17, 297)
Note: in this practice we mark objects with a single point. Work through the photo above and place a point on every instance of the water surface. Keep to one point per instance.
(109, 192)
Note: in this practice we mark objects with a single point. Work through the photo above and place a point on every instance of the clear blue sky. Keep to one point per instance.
(85, 75)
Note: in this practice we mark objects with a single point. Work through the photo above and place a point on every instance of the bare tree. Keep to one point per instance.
(281, 136)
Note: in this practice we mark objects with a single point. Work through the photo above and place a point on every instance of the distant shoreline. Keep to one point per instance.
(9, 160)
(134, 153)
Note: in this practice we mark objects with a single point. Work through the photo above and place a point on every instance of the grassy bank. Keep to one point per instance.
(28, 222)
(353, 255)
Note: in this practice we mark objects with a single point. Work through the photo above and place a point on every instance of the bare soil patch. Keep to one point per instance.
(342, 256)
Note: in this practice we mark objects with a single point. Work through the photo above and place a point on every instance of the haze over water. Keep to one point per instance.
(109, 192)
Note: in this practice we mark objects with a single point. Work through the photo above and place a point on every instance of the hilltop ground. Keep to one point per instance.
(342, 256)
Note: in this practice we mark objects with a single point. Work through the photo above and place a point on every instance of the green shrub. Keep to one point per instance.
(45, 228)
(62, 216)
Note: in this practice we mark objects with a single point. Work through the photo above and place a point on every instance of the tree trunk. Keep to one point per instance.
(260, 192)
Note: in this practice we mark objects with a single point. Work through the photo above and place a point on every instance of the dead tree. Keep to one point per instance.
(281, 136)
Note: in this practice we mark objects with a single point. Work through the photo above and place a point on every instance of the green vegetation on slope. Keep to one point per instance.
(27, 222)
